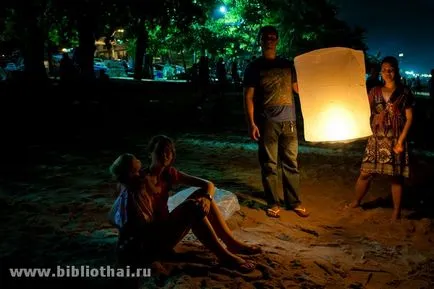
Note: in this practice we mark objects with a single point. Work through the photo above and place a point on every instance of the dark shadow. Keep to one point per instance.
(380, 202)
(417, 198)
(247, 195)
(419, 194)
(421, 201)
(185, 255)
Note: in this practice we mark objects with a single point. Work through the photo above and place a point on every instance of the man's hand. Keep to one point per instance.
(254, 132)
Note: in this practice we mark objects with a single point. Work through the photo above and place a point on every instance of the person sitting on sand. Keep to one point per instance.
(149, 229)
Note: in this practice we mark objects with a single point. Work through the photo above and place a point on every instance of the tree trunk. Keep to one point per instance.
(141, 44)
(51, 68)
(86, 46)
(33, 51)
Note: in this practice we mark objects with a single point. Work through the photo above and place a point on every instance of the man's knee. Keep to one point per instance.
(269, 169)
(290, 164)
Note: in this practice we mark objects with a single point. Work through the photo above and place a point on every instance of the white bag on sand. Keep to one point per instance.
(226, 201)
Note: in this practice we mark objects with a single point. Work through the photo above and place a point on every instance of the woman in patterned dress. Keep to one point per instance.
(386, 152)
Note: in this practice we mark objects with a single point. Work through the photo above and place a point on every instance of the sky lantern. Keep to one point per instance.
(333, 95)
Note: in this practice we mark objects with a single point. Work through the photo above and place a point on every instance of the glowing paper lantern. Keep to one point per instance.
(334, 102)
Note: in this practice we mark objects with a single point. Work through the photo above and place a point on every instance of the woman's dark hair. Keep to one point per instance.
(159, 143)
(395, 64)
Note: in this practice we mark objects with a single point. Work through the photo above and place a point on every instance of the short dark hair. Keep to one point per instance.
(269, 29)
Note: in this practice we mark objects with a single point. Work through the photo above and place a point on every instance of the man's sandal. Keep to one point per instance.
(301, 212)
(273, 212)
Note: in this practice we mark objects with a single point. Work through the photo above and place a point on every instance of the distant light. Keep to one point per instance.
(120, 30)
(401, 55)
(223, 9)
(414, 74)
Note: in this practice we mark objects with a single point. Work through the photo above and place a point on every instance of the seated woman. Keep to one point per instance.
(148, 229)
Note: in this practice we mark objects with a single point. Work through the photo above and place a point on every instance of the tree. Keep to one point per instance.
(306, 25)
(150, 19)
(23, 26)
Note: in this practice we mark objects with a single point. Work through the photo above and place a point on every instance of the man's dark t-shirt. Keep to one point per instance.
(272, 81)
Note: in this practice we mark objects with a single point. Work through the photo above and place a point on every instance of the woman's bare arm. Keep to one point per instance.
(408, 122)
(193, 181)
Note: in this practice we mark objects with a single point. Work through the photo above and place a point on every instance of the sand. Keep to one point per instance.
(58, 217)
(53, 208)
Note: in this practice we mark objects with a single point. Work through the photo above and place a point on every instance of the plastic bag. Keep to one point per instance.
(118, 214)
(226, 201)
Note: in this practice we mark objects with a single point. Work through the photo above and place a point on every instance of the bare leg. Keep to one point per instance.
(362, 187)
(187, 215)
(221, 228)
(206, 234)
(225, 234)
(397, 197)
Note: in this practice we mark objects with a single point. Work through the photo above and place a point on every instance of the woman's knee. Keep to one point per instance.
(197, 194)
(365, 176)
(189, 211)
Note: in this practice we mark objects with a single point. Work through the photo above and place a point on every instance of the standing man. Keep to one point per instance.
(269, 82)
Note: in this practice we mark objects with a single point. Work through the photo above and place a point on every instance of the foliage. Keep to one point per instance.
(187, 27)
(304, 25)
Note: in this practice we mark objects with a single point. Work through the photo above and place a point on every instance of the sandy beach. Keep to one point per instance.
(54, 213)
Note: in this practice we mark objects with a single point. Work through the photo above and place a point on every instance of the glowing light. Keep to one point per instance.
(401, 54)
(333, 95)
(223, 9)
(336, 123)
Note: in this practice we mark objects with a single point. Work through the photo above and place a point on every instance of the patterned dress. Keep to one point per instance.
(387, 121)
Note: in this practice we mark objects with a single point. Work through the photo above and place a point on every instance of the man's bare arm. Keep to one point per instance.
(295, 87)
(249, 107)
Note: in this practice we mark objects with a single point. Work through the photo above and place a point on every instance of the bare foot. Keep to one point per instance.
(352, 205)
(396, 215)
(244, 249)
(237, 263)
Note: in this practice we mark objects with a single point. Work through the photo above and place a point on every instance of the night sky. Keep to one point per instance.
(395, 26)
